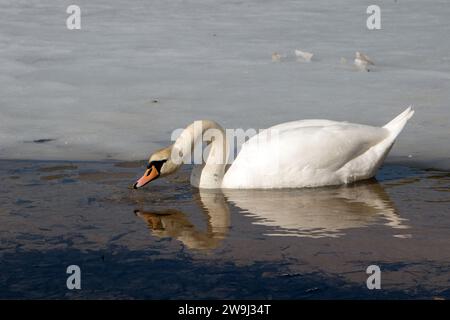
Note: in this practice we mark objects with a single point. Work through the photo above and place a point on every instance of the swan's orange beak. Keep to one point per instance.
(149, 175)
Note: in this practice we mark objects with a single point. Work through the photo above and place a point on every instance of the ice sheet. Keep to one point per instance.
(93, 90)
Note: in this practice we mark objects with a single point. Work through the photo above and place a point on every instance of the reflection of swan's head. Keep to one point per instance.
(173, 223)
(158, 221)
(160, 164)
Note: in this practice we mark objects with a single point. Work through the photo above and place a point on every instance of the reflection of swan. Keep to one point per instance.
(317, 212)
(175, 224)
(325, 212)
(303, 153)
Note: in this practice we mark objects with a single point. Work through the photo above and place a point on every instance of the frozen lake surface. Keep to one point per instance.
(137, 70)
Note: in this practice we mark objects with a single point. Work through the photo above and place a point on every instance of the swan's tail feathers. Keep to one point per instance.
(396, 125)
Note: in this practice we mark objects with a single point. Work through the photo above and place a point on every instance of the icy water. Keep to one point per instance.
(170, 240)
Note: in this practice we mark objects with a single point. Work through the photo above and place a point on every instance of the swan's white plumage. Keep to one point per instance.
(310, 153)
(305, 153)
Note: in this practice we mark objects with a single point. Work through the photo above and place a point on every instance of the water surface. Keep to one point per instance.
(170, 240)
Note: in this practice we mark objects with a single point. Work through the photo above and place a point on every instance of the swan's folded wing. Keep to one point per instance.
(320, 145)
(300, 151)
(339, 144)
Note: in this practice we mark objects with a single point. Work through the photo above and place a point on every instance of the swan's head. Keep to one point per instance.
(160, 164)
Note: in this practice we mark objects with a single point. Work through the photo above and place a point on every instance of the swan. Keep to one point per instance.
(297, 154)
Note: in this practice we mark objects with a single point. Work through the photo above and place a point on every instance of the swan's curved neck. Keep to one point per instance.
(209, 169)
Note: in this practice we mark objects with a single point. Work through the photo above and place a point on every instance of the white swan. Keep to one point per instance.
(305, 153)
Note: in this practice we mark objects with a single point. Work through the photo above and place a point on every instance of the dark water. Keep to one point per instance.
(171, 241)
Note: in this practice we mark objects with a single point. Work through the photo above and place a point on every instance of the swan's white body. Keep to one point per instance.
(305, 153)
(297, 154)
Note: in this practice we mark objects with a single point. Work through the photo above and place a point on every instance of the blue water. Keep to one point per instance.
(170, 241)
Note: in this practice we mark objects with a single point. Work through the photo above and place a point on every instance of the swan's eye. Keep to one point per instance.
(156, 163)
